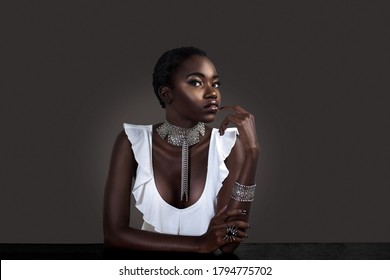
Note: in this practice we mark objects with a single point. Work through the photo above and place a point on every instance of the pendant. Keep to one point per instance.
(184, 137)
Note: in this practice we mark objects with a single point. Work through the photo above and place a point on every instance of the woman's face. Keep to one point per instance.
(194, 90)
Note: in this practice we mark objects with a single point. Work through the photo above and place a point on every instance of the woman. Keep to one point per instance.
(194, 185)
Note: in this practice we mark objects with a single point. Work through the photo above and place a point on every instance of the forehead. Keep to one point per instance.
(197, 64)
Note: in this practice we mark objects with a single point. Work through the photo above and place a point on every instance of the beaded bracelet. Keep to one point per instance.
(243, 193)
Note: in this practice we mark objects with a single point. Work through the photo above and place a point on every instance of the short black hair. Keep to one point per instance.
(168, 63)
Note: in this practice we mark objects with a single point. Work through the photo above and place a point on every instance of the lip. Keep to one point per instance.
(212, 106)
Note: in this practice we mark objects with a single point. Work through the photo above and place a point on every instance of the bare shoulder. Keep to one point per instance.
(122, 164)
(122, 142)
(122, 151)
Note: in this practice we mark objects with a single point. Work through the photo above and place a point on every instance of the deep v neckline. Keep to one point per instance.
(198, 201)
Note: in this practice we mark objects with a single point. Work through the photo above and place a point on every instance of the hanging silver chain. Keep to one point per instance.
(184, 137)
(184, 170)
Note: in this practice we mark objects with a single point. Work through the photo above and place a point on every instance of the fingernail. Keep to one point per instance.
(244, 211)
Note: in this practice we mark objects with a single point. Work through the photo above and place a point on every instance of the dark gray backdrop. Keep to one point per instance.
(314, 73)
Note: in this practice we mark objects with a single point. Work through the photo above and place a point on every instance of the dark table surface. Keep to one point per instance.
(248, 251)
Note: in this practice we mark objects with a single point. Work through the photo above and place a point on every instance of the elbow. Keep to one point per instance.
(112, 239)
(109, 239)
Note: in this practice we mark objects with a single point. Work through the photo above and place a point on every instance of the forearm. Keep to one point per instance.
(247, 176)
(238, 190)
(134, 239)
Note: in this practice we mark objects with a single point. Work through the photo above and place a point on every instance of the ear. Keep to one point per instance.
(165, 94)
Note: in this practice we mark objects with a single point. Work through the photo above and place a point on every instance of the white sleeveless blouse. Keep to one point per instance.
(158, 215)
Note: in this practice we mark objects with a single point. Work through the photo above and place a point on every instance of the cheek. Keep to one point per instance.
(191, 97)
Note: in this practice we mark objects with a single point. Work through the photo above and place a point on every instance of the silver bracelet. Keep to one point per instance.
(243, 193)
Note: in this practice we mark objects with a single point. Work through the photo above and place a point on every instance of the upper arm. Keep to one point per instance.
(234, 163)
(118, 185)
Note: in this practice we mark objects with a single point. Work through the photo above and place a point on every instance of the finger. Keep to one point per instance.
(228, 232)
(232, 213)
(233, 240)
(235, 119)
(238, 119)
(241, 234)
(220, 217)
(235, 108)
(239, 224)
(223, 215)
(236, 212)
(235, 235)
(238, 240)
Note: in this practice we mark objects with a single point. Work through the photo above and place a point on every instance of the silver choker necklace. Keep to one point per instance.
(184, 137)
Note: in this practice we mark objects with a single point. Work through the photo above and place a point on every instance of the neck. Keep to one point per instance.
(182, 124)
(178, 135)
(174, 119)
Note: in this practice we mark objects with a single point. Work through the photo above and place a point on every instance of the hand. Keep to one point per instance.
(216, 235)
(245, 123)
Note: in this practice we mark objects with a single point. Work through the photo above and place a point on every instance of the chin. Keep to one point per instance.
(209, 119)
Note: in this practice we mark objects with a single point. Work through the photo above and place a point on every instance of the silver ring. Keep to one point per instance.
(231, 233)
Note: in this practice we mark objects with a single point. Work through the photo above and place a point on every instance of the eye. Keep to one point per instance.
(217, 84)
(195, 83)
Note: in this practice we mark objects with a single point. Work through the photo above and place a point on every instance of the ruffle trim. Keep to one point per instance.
(138, 136)
(224, 144)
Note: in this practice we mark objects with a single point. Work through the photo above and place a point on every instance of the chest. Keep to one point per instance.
(167, 168)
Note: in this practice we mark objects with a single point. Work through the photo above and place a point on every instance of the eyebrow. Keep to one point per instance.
(201, 75)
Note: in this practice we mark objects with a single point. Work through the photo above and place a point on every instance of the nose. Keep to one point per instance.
(211, 92)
